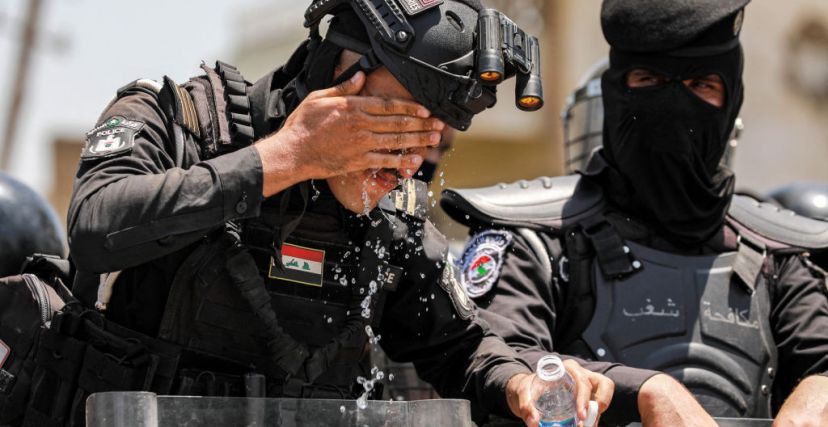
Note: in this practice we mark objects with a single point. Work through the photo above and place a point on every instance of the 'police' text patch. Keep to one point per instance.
(115, 136)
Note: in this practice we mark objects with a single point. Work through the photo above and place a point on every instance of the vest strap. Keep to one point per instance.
(612, 255)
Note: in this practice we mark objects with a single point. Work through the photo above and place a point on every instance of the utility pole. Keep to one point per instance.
(27, 45)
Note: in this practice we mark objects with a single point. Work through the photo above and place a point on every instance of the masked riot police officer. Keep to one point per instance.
(240, 221)
(647, 259)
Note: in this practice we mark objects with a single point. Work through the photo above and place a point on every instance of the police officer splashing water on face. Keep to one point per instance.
(246, 229)
(647, 258)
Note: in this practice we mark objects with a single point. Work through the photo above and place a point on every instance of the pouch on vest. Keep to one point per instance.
(27, 305)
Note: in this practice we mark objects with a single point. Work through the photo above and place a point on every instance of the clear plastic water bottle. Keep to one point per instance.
(555, 391)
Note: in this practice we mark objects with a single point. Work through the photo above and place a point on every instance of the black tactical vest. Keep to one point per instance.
(290, 295)
(702, 319)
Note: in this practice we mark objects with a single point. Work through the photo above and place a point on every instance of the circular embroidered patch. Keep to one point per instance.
(482, 260)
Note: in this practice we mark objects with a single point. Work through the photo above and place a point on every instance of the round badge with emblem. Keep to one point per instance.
(482, 260)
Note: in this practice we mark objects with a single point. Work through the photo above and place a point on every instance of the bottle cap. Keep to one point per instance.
(592, 414)
(550, 368)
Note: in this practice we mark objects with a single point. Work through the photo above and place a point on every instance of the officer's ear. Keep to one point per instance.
(347, 58)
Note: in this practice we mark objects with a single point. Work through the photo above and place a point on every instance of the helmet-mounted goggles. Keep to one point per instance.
(454, 90)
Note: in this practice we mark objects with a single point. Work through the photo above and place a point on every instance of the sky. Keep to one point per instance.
(107, 45)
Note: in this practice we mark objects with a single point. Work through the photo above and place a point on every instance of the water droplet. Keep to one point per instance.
(330, 320)
(343, 281)
(430, 193)
(432, 296)
(390, 377)
(342, 409)
(362, 402)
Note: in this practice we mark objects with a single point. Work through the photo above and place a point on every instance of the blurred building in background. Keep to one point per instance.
(785, 110)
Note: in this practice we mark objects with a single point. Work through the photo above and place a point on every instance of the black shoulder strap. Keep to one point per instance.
(178, 106)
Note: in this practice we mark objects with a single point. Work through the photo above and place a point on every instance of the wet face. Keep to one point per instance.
(361, 191)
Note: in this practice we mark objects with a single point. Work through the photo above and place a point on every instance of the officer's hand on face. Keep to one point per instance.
(807, 406)
(588, 386)
(334, 132)
(663, 401)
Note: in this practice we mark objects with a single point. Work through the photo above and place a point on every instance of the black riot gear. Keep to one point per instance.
(663, 145)
(441, 51)
(703, 318)
(28, 225)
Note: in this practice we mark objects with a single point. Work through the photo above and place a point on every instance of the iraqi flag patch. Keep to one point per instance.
(482, 260)
(115, 136)
(301, 265)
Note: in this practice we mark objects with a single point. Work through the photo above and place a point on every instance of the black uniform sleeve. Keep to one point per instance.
(135, 207)
(799, 319)
(525, 309)
(451, 348)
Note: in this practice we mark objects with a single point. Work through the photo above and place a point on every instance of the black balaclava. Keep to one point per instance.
(664, 144)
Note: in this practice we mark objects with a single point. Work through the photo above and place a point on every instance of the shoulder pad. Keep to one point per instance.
(143, 85)
(538, 204)
(779, 227)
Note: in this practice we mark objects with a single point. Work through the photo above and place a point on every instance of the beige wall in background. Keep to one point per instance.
(786, 129)
(786, 136)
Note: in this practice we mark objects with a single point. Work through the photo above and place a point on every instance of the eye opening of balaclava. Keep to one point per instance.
(664, 145)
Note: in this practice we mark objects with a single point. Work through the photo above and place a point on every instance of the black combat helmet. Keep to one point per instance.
(28, 225)
(450, 54)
